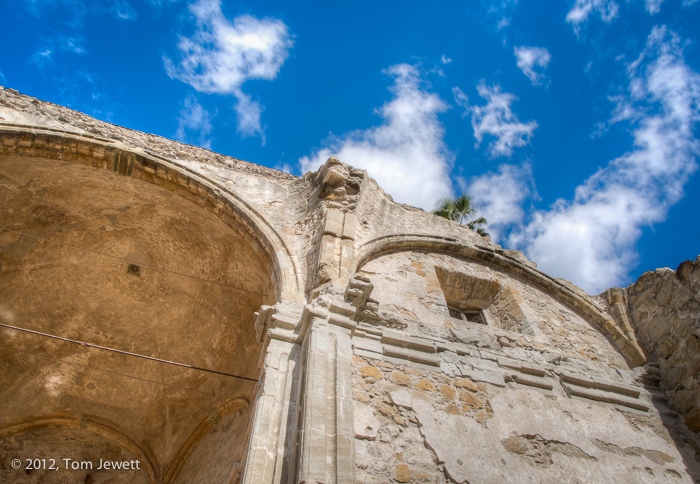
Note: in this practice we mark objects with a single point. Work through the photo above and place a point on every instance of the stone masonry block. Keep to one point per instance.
(333, 223)
(349, 226)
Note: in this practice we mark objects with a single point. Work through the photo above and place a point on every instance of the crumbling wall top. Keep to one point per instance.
(19, 109)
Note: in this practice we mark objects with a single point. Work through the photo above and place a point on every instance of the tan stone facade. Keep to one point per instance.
(222, 322)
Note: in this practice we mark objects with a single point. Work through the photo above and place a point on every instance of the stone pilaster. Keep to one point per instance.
(270, 451)
(302, 430)
(337, 247)
(326, 429)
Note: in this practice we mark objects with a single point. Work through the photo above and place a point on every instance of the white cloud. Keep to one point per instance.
(445, 60)
(502, 24)
(653, 6)
(461, 99)
(496, 119)
(223, 55)
(591, 240)
(406, 154)
(607, 9)
(531, 57)
(499, 196)
(195, 120)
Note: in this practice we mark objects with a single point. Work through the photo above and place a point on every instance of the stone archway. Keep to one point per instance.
(94, 257)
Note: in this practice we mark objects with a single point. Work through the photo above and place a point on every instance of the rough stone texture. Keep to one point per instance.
(664, 308)
(416, 297)
(519, 435)
(25, 110)
(337, 301)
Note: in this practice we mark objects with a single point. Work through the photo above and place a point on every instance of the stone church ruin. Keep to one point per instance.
(218, 321)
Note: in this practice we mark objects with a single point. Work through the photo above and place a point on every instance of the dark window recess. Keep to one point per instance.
(471, 315)
(474, 317)
(455, 313)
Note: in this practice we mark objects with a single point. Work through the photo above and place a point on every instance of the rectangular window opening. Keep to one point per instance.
(470, 315)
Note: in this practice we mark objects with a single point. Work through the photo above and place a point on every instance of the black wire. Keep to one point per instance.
(152, 358)
(105, 371)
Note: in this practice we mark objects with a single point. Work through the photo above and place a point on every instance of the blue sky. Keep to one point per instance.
(572, 124)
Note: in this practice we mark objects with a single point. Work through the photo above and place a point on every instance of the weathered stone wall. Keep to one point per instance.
(410, 294)
(444, 400)
(417, 425)
(664, 308)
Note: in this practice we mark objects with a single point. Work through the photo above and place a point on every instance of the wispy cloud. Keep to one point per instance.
(406, 154)
(121, 10)
(445, 60)
(607, 9)
(222, 55)
(499, 196)
(79, 88)
(531, 58)
(499, 11)
(592, 239)
(80, 9)
(194, 123)
(58, 45)
(496, 119)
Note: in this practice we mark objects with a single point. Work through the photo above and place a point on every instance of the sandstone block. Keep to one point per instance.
(370, 371)
(470, 401)
(467, 384)
(425, 385)
(453, 409)
(400, 378)
(448, 391)
(361, 397)
(403, 473)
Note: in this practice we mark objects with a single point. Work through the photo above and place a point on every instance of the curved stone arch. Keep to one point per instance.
(93, 424)
(217, 413)
(21, 140)
(622, 338)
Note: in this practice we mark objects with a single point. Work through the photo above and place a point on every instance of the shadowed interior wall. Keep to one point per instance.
(73, 232)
